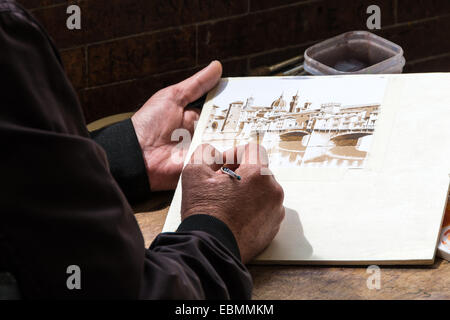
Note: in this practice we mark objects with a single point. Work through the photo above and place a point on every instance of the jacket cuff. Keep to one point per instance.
(125, 159)
(213, 226)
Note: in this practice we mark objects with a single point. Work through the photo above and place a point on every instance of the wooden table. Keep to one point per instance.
(312, 282)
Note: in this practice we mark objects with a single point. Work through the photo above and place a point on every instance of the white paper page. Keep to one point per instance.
(368, 185)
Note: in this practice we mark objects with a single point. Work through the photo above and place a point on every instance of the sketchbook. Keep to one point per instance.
(364, 161)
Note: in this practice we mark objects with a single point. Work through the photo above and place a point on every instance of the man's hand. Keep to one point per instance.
(165, 112)
(252, 207)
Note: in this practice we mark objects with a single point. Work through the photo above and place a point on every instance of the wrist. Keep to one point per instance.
(215, 213)
(138, 130)
(214, 227)
(147, 150)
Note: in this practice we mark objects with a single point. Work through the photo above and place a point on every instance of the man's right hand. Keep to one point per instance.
(252, 207)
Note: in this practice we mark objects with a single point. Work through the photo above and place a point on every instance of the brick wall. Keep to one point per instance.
(128, 49)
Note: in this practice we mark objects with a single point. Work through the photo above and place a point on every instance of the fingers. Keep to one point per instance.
(248, 157)
(190, 115)
(255, 154)
(199, 84)
(231, 159)
(249, 154)
(208, 157)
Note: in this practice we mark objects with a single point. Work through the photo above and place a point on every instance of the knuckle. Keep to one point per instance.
(255, 172)
(279, 192)
(188, 169)
(192, 169)
(282, 214)
(198, 82)
(173, 91)
(177, 93)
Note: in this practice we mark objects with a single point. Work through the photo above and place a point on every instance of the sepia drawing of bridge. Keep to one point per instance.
(339, 137)
(302, 133)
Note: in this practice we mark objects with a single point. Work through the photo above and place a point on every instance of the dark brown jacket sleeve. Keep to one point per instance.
(126, 164)
(60, 206)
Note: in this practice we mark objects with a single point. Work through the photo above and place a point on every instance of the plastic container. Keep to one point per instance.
(353, 53)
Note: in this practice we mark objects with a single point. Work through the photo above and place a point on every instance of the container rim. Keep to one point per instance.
(387, 62)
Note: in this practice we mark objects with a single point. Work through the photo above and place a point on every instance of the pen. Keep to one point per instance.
(230, 172)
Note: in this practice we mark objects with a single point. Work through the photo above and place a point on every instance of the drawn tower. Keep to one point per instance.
(249, 103)
(294, 102)
(232, 116)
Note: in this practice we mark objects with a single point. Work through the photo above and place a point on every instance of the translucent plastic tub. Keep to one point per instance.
(354, 52)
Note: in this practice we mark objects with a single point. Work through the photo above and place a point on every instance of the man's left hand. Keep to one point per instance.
(165, 112)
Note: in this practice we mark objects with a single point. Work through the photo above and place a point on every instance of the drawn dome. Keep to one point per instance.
(279, 103)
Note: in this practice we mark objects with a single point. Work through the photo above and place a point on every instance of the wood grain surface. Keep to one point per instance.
(313, 282)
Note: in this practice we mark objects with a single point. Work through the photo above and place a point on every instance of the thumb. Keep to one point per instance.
(199, 84)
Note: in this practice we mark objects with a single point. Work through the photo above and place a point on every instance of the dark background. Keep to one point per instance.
(128, 49)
